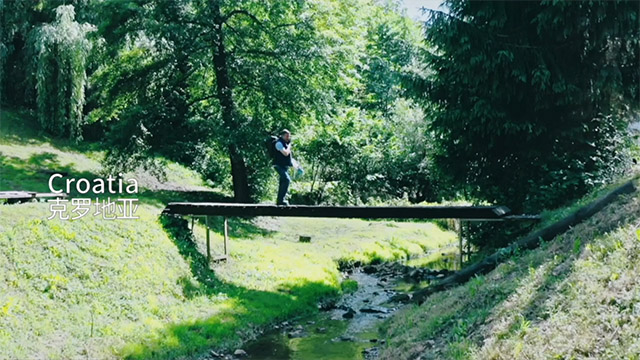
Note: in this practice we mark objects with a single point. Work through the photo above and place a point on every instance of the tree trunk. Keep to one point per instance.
(241, 192)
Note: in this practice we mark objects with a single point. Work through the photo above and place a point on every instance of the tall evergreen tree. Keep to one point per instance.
(532, 97)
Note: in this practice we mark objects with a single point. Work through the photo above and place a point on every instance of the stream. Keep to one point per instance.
(349, 328)
(348, 331)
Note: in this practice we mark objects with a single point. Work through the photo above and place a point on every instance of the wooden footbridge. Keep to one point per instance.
(226, 210)
(479, 213)
(12, 197)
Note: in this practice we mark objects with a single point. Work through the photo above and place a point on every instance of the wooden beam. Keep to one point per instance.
(460, 238)
(220, 258)
(51, 195)
(363, 212)
(530, 241)
(13, 197)
(226, 237)
(206, 224)
(21, 195)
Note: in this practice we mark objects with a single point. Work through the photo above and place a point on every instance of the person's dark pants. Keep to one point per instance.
(285, 180)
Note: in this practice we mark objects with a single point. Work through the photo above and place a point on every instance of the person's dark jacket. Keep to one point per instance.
(280, 159)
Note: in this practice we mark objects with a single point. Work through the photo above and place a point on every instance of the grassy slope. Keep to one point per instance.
(94, 288)
(575, 297)
(24, 153)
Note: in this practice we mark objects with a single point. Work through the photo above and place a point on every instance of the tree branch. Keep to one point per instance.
(261, 52)
(241, 12)
(194, 101)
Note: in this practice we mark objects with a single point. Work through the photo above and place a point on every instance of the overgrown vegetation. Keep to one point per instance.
(137, 291)
(517, 121)
(504, 116)
(226, 74)
(142, 288)
(61, 50)
(573, 297)
(522, 104)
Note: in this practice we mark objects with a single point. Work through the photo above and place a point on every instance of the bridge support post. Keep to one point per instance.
(226, 236)
(206, 224)
(468, 247)
(461, 239)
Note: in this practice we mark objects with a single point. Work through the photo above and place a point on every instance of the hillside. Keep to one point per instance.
(575, 297)
(94, 288)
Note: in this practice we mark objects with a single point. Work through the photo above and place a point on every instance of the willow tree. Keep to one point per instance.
(61, 50)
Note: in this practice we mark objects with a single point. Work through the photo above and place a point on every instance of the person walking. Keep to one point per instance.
(282, 161)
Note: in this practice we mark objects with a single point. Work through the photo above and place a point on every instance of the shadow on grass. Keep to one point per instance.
(534, 311)
(244, 228)
(560, 255)
(459, 318)
(251, 309)
(33, 174)
(16, 174)
(21, 127)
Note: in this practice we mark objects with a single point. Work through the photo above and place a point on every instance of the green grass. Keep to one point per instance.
(553, 215)
(349, 286)
(94, 288)
(446, 257)
(574, 297)
(26, 156)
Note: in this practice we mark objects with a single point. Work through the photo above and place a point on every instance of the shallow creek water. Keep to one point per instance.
(330, 335)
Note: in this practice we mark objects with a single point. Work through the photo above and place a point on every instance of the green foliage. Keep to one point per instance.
(274, 72)
(15, 23)
(315, 67)
(326, 69)
(361, 156)
(542, 304)
(378, 145)
(61, 50)
(143, 288)
(577, 246)
(349, 286)
(517, 122)
(475, 284)
(500, 112)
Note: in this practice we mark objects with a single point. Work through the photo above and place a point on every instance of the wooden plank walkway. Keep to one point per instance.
(17, 195)
(23, 196)
(486, 213)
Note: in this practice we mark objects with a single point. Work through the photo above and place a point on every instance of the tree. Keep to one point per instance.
(238, 69)
(376, 146)
(15, 24)
(61, 51)
(532, 97)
